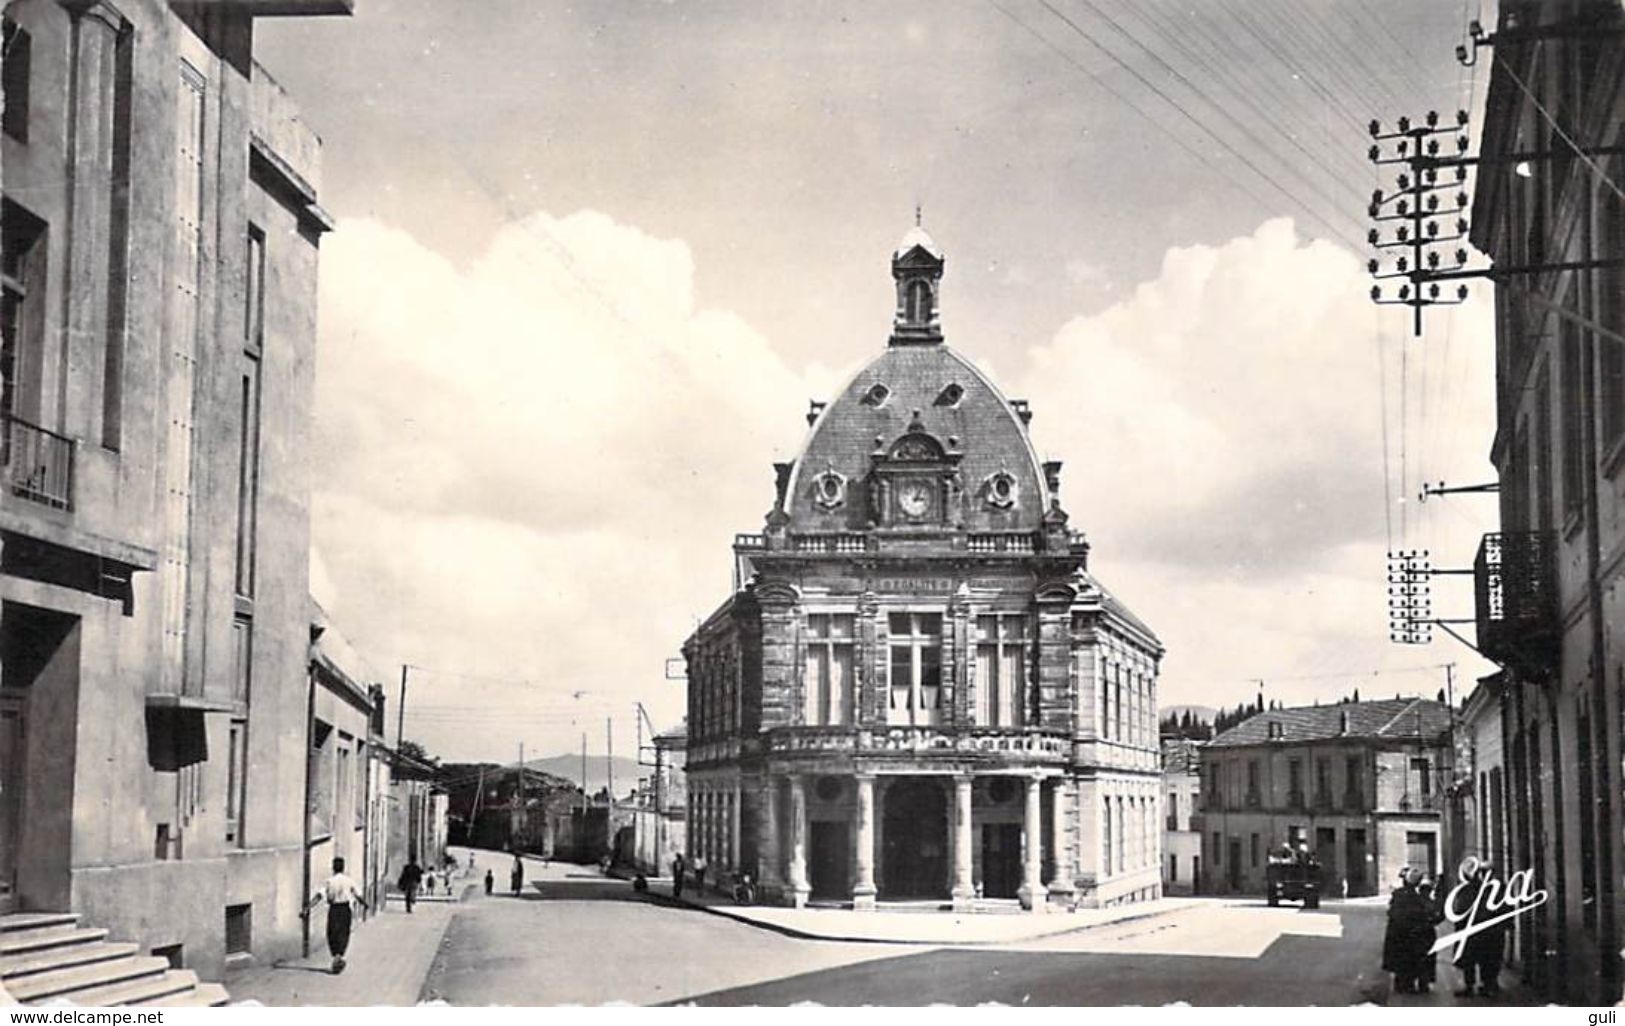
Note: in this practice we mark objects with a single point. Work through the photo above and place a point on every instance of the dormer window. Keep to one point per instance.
(951, 395)
(877, 395)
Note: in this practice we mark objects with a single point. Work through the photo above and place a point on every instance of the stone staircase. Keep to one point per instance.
(48, 956)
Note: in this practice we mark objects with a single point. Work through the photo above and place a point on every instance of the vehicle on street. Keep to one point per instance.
(1293, 876)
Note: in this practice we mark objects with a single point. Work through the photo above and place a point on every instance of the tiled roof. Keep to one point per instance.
(1388, 718)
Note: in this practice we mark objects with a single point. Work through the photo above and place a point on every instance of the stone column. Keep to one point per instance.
(964, 892)
(767, 835)
(1032, 893)
(799, 886)
(733, 826)
(1061, 888)
(863, 887)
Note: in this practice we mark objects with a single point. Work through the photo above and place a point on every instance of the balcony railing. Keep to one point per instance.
(37, 464)
(1420, 803)
(831, 544)
(1516, 581)
(999, 542)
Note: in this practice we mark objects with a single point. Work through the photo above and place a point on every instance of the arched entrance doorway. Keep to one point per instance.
(914, 832)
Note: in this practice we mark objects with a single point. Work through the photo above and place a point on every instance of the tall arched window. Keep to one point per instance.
(918, 308)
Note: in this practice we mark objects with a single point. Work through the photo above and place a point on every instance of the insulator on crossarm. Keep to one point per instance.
(1402, 207)
(1433, 228)
(1461, 172)
(1403, 232)
(1461, 225)
(1461, 144)
(1404, 292)
(1376, 292)
(1461, 199)
(1402, 264)
(1433, 147)
(1461, 117)
(1404, 124)
(1402, 146)
(1433, 202)
(1372, 236)
(1371, 265)
(1461, 256)
(1404, 181)
(1433, 118)
(1433, 258)
(1376, 128)
(1432, 175)
(1375, 152)
(1433, 291)
(1461, 292)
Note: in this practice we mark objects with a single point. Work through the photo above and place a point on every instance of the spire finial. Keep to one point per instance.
(916, 215)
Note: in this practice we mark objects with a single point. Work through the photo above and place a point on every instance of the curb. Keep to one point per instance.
(728, 912)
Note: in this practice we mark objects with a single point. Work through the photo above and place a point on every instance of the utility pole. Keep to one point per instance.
(583, 778)
(400, 714)
(520, 799)
(609, 760)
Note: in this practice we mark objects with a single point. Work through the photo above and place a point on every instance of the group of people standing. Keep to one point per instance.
(1415, 911)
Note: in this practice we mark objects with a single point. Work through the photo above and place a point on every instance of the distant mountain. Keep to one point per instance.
(1204, 713)
(627, 771)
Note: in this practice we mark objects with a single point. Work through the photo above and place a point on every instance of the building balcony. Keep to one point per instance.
(36, 464)
(1014, 744)
(1420, 803)
(1515, 576)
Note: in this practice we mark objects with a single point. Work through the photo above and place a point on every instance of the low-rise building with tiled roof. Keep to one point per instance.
(1359, 783)
(1182, 796)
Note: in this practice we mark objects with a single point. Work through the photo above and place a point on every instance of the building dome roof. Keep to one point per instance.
(918, 236)
(910, 390)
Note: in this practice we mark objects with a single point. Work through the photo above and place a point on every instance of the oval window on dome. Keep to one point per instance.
(1001, 490)
(877, 395)
(951, 395)
(829, 490)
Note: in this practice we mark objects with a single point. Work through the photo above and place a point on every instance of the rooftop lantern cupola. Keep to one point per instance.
(916, 267)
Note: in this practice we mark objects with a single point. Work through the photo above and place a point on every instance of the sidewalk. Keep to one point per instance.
(389, 958)
(908, 925)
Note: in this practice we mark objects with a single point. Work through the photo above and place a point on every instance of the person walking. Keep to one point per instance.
(1427, 960)
(516, 877)
(1406, 912)
(677, 869)
(411, 879)
(490, 882)
(1481, 954)
(341, 894)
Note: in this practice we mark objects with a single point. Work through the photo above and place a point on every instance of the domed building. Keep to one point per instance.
(918, 690)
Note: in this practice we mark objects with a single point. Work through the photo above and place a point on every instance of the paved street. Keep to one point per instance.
(576, 937)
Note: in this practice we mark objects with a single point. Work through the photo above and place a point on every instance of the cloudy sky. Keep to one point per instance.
(592, 262)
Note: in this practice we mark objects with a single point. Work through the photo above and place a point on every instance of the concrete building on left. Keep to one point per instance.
(160, 236)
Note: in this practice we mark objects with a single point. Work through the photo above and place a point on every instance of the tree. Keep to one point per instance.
(412, 750)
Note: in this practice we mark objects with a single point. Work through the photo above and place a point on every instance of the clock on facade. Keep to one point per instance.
(914, 498)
